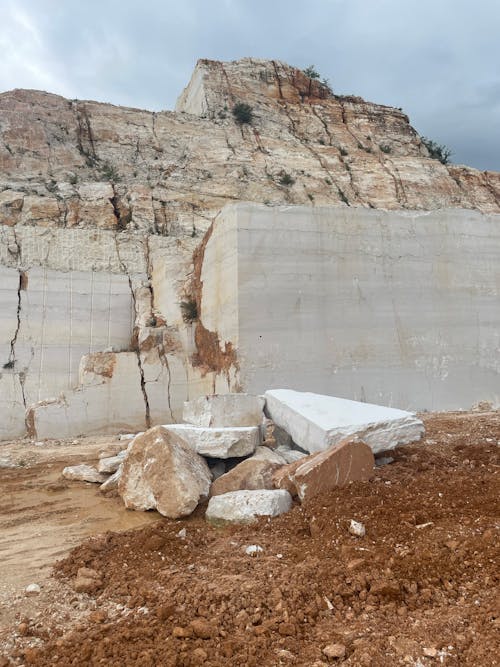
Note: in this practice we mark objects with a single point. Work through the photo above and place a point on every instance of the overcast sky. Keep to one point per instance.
(437, 59)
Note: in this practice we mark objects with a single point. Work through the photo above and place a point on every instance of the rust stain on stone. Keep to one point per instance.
(30, 423)
(210, 355)
(100, 363)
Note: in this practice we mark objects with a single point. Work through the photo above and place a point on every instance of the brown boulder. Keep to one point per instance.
(349, 461)
(251, 474)
(161, 472)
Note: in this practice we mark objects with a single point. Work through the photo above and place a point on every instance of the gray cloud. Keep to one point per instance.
(438, 60)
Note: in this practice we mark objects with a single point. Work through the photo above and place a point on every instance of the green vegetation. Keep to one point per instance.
(437, 151)
(311, 72)
(242, 113)
(285, 179)
(189, 310)
(109, 173)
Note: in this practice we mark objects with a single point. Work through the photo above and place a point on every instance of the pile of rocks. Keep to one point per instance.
(250, 455)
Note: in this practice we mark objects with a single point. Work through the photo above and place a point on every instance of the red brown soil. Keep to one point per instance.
(419, 589)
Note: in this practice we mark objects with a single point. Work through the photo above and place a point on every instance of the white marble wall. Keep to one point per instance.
(395, 308)
(55, 319)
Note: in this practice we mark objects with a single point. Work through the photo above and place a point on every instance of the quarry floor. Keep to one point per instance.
(421, 588)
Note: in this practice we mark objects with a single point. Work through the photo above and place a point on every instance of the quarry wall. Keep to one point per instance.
(397, 308)
(83, 348)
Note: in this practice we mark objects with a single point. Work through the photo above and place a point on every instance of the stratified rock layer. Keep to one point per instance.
(80, 163)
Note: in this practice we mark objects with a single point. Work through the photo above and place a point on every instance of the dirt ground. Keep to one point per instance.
(420, 588)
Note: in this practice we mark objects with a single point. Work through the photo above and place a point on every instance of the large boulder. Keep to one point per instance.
(349, 461)
(161, 472)
(246, 506)
(218, 443)
(222, 410)
(316, 422)
(250, 474)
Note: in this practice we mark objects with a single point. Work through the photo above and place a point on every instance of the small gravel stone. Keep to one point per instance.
(334, 651)
(32, 590)
(357, 528)
(253, 550)
(203, 629)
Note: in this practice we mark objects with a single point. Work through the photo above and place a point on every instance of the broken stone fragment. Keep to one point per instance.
(32, 590)
(271, 455)
(246, 506)
(161, 472)
(334, 651)
(87, 580)
(282, 439)
(357, 528)
(346, 462)
(290, 455)
(112, 463)
(224, 410)
(221, 443)
(249, 474)
(84, 473)
(316, 422)
(203, 629)
(112, 482)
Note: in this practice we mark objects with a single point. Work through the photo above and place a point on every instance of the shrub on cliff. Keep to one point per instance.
(437, 151)
(311, 72)
(242, 113)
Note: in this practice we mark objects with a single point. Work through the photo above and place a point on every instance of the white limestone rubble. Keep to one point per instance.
(110, 464)
(271, 455)
(220, 443)
(246, 506)
(112, 482)
(316, 422)
(84, 473)
(224, 410)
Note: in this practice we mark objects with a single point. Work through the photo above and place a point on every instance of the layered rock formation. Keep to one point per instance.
(102, 207)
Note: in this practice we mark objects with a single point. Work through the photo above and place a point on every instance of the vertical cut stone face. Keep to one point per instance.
(161, 472)
(397, 308)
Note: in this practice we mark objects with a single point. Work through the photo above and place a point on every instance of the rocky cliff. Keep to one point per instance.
(73, 163)
(102, 325)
